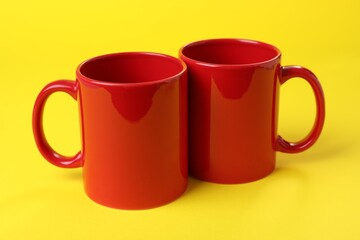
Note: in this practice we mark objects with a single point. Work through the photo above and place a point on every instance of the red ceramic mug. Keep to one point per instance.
(233, 109)
(133, 110)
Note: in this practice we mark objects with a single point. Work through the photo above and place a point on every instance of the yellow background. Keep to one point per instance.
(311, 195)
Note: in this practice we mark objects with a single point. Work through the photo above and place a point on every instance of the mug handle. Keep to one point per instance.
(71, 88)
(288, 72)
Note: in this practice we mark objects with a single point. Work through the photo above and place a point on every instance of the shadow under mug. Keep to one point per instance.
(133, 112)
(233, 109)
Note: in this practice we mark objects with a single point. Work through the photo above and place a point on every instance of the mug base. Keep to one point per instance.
(239, 179)
(121, 205)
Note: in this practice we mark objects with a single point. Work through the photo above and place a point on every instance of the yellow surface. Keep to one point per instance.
(311, 195)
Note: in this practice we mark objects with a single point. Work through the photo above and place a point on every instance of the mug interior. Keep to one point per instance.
(230, 51)
(132, 67)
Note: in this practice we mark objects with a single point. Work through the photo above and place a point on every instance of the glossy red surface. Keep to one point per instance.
(133, 109)
(233, 109)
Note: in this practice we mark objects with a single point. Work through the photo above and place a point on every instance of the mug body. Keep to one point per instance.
(133, 111)
(233, 109)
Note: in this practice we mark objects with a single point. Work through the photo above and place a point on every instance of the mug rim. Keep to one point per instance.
(80, 75)
(235, 65)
